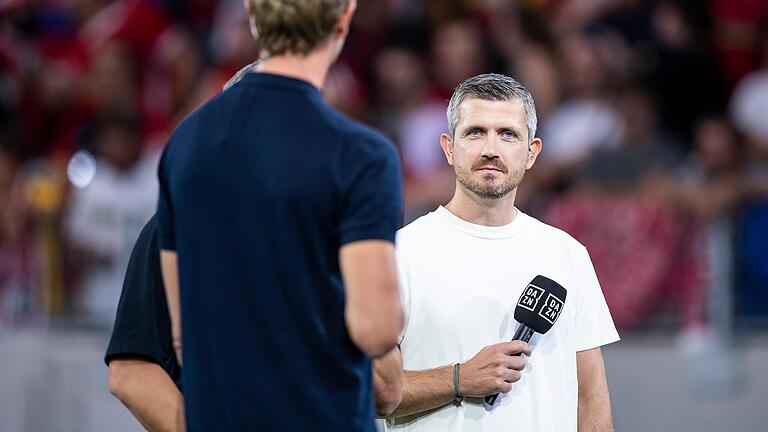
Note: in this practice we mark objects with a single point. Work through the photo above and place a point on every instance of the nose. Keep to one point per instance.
(490, 148)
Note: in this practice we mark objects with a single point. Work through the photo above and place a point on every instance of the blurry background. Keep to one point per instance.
(654, 117)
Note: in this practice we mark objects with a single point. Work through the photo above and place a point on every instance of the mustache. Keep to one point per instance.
(489, 163)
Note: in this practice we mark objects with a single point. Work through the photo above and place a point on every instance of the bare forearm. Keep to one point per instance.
(149, 394)
(425, 390)
(594, 399)
(492, 370)
(595, 414)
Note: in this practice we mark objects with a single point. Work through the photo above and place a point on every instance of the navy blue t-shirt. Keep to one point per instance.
(142, 325)
(259, 189)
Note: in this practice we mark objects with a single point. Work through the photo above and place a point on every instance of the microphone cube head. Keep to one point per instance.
(540, 304)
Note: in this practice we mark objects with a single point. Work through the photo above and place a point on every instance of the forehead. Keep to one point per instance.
(496, 114)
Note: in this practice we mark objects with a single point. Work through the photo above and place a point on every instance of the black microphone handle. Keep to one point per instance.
(523, 333)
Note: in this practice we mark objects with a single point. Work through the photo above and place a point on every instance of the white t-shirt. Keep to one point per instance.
(105, 218)
(460, 283)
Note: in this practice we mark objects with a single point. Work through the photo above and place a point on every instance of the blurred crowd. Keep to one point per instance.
(653, 114)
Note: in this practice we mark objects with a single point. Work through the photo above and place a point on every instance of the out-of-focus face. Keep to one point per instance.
(715, 145)
(119, 146)
(489, 151)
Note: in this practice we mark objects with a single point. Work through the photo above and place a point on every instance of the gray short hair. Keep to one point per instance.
(492, 87)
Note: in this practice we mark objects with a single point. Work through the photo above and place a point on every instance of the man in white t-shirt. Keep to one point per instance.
(462, 270)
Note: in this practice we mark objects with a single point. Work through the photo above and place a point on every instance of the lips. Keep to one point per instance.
(491, 168)
(488, 164)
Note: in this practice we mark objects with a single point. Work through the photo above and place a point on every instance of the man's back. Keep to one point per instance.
(259, 190)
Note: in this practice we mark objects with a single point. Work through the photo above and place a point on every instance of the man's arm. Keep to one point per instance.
(594, 401)
(148, 392)
(490, 371)
(388, 382)
(425, 390)
(373, 312)
(170, 269)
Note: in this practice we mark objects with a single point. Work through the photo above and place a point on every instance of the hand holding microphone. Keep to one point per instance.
(493, 369)
(538, 308)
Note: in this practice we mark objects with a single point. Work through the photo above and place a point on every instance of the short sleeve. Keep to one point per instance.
(405, 293)
(594, 324)
(373, 197)
(142, 326)
(165, 215)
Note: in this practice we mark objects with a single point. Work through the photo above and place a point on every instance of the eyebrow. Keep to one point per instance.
(500, 130)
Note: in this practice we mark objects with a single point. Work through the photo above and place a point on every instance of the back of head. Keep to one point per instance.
(294, 26)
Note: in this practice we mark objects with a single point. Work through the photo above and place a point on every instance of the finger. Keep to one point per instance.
(515, 363)
(515, 347)
(513, 376)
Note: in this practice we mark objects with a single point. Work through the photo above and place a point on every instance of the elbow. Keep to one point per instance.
(388, 399)
(375, 337)
(118, 380)
(373, 342)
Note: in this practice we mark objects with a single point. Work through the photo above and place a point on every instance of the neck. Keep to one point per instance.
(312, 67)
(482, 211)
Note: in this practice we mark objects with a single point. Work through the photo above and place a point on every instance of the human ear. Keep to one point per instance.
(534, 148)
(446, 143)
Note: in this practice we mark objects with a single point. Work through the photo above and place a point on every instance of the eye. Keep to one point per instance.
(474, 133)
(509, 135)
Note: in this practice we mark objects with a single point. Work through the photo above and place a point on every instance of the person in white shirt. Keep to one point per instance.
(107, 212)
(462, 270)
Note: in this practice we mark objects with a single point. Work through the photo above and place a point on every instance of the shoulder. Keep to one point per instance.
(196, 125)
(215, 111)
(143, 270)
(551, 236)
(416, 232)
(148, 238)
(357, 138)
(185, 129)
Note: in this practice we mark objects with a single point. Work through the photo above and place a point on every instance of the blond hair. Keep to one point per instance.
(294, 26)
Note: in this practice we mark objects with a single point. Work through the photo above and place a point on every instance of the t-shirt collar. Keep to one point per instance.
(482, 231)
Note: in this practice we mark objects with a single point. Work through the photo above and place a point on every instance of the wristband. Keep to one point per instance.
(456, 388)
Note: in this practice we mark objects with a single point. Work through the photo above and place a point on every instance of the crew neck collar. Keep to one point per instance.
(482, 231)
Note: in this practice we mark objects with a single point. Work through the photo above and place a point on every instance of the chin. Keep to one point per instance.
(495, 191)
(490, 183)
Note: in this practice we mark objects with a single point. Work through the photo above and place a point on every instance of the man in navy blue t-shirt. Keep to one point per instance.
(277, 222)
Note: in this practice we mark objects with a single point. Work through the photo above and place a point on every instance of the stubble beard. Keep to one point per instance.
(486, 189)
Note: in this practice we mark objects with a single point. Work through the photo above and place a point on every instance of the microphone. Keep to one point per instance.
(537, 310)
